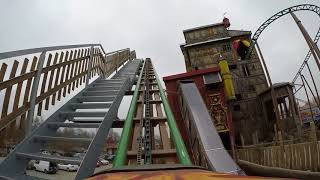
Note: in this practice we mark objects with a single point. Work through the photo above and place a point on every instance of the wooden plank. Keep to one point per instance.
(11, 116)
(8, 90)
(253, 155)
(98, 72)
(63, 75)
(57, 78)
(277, 156)
(307, 157)
(158, 106)
(164, 136)
(83, 66)
(262, 156)
(270, 156)
(2, 73)
(288, 157)
(293, 152)
(51, 76)
(318, 152)
(23, 109)
(313, 147)
(43, 85)
(299, 149)
(19, 86)
(97, 64)
(59, 65)
(48, 93)
(27, 91)
(245, 156)
(86, 64)
(15, 80)
(72, 70)
(266, 157)
(3, 69)
(76, 68)
(79, 68)
(92, 65)
(67, 74)
(293, 156)
(101, 65)
(296, 154)
(136, 130)
(304, 158)
(162, 126)
(153, 143)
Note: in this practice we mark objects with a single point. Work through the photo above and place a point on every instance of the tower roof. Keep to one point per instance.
(201, 27)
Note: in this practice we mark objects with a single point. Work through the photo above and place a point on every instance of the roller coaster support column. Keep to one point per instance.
(273, 97)
(313, 47)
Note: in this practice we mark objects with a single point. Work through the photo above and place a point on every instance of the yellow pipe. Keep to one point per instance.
(227, 79)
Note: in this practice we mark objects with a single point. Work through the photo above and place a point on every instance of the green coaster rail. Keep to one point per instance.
(121, 153)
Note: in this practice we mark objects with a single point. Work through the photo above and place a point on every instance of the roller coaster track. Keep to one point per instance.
(302, 7)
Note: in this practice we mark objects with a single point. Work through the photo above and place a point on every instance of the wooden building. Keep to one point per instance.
(202, 48)
(289, 116)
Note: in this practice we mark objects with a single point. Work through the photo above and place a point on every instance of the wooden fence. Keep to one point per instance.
(302, 156)
(59, 70)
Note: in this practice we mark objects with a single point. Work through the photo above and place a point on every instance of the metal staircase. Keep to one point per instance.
(96, 106)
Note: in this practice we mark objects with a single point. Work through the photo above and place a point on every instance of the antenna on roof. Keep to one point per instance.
(224, 14)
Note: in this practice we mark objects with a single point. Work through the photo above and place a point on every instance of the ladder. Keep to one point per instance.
(96, 106)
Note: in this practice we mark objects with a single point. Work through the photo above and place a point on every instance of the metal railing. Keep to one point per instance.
(33, 80)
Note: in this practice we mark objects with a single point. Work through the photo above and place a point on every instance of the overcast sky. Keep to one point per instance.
(153, 28)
